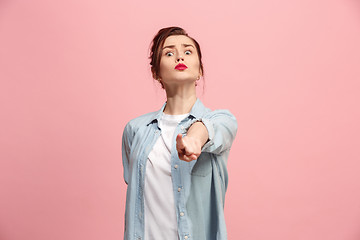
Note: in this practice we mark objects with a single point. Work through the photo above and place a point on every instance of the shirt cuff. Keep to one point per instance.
(210, 128)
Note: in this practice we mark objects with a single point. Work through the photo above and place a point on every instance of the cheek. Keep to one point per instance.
(195, 60)
(196, 64)
(164, 66)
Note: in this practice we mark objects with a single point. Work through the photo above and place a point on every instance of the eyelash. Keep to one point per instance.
(171, 52)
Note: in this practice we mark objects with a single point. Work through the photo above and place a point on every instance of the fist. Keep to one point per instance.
(189, 148)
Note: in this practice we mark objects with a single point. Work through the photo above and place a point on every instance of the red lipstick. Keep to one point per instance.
(181, 66)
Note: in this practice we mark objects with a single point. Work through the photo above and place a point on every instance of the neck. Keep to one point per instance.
(180, 99)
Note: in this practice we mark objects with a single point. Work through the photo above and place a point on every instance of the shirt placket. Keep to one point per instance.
(183, 226)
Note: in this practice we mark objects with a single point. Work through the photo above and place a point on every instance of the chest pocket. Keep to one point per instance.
(203, 165)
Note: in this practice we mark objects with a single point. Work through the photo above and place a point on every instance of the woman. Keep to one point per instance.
(175, 158)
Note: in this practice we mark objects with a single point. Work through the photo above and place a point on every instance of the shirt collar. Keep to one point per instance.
(196, 111)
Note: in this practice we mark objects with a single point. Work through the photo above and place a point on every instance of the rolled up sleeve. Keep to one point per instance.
(222, 127)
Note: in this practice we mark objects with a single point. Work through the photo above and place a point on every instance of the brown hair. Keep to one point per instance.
(158, 43)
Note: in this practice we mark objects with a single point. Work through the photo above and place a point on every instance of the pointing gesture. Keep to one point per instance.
(189, 147)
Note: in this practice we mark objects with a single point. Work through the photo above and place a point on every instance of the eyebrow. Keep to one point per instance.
(185, 45)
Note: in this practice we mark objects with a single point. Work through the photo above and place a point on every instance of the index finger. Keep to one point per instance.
(179, 142)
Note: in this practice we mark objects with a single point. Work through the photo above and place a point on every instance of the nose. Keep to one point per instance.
(179, 57)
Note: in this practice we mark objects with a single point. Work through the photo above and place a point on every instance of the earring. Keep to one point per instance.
(198, 78)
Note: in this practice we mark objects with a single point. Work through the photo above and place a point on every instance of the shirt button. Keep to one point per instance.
(179, 189)
(182, 214)
(176, 166)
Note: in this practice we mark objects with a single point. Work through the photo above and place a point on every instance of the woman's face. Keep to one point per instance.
(179, 49)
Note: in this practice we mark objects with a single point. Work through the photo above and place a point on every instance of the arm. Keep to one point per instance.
(189, 147)
(214, 134)
(222, 128)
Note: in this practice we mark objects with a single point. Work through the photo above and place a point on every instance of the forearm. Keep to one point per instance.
(222, 127)
(198, 131)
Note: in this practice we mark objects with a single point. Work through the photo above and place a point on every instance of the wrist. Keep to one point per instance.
(199, 131)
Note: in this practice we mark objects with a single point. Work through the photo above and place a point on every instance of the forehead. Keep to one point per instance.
(177, 40)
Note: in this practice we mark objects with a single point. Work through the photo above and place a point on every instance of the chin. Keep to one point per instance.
(185, 78)
(187, 81)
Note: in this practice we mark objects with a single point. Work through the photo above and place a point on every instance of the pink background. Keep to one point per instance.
(73, 73)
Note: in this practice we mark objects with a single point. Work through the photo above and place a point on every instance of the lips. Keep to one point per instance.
(181, 66)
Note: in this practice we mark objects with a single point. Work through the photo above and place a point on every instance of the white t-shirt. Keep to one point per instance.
(160, 215)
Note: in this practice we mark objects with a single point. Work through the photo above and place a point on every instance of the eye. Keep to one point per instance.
(167, 54)
(188, 51)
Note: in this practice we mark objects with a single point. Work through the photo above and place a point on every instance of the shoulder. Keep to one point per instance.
(202, 111)
(219, 112)
(136, 123)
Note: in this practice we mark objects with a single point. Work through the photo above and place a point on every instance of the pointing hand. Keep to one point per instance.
(189, 148)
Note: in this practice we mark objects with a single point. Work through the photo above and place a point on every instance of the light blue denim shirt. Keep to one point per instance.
(203, 182)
